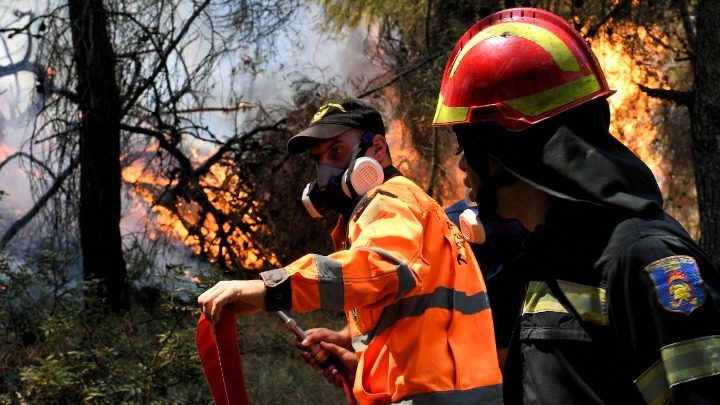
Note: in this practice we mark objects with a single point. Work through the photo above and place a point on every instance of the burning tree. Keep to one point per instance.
(223, 191)
(673, 48)
(136, 83)
(669, 47)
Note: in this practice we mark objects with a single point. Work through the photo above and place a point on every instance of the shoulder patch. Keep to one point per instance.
(677, 283)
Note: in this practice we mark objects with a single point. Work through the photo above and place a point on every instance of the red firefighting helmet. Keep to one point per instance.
(518, 67)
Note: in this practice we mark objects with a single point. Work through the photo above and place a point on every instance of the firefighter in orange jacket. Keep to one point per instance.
(412, 291)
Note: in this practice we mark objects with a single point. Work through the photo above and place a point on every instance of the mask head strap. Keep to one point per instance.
(350, 169)
(365, 143)
(367, 138)
(358, 150)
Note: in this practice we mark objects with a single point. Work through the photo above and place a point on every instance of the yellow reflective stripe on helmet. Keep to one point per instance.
(692, 359)
(588, 301)
(445, 113)
(546, 100)
(553, 45)
(653, 385)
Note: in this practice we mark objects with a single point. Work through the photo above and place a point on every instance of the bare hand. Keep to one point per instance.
(348, 361)
(340, 338)
(337, 343)
(248, 296)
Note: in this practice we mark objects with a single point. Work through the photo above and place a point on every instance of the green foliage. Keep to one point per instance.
(273, 371)
(340, 13)
(59, 345)
(71, 350)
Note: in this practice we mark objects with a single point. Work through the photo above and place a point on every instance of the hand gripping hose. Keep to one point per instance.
(323, 358)
(220, 358)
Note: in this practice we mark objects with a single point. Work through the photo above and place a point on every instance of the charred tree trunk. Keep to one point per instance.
(99, 111)
(705, 126)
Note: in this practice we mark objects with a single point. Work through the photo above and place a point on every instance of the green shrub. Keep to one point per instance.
(58, 345)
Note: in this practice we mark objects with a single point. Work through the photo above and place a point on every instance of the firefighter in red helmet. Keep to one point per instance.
(622, 306)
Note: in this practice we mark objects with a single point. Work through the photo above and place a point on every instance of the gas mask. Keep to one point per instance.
(470, 226)
(496, 230)
(340, 189)
(478, 232)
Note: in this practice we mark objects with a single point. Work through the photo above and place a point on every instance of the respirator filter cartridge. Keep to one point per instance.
(471, 228)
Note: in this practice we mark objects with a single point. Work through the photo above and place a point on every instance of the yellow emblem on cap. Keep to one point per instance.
(324, 109)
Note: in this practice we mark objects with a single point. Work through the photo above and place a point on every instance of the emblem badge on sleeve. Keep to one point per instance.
(678, 283)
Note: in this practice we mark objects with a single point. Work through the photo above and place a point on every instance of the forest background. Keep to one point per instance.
(142, 159)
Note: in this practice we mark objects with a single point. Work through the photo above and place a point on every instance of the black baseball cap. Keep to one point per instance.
(336, 117)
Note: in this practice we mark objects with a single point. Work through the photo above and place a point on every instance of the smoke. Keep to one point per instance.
(15, 126)
(315, 56)
(307, 53)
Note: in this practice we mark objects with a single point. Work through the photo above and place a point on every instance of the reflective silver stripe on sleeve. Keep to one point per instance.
(330, 283)
(589, 301)
(490, 395)
(681, 362)
(653, 385)
(692, 359)
(406, 281)
(442, 297)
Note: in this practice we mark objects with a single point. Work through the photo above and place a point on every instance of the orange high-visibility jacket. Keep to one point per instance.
(415, 301)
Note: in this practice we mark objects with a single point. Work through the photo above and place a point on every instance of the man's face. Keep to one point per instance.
(472, 179)
(337, 151)
(481, 169)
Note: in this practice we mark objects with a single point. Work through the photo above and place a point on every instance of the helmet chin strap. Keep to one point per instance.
(489, 186)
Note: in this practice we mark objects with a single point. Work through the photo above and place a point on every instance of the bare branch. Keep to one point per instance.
(403, 73)
(39, 204)
(684, 98)
(29, 157)
(160, 66)
(609, 16)
(688, 24)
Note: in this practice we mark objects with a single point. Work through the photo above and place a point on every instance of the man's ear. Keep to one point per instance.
(379, 148)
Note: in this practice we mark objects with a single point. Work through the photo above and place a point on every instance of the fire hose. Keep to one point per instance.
(220, 357)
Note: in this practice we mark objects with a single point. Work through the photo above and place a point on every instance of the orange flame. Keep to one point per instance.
(631, 109)
(176, 218)
(632, 124)
(5, 151)
(402, 149)
(50, 72)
